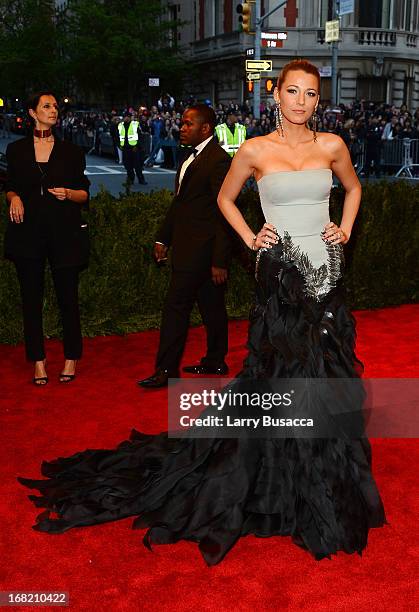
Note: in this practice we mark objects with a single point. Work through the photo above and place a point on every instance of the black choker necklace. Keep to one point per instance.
(42, 133)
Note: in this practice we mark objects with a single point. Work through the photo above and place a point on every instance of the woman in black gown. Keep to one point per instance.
(213, 491)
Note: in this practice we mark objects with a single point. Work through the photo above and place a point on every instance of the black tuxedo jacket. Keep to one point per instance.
(194, 227)
(49, 224)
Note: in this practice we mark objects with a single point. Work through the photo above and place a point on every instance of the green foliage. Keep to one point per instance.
(114, 45)
(28, 46)
(123, 289)
(102, 48)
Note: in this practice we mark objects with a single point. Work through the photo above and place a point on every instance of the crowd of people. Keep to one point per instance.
(361, 124)
(364, 126)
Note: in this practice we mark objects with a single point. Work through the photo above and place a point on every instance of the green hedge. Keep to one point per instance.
(123, 289)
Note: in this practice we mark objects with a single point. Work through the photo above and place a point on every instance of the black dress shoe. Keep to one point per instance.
(204, 369)
(158, 379)
(142, 181)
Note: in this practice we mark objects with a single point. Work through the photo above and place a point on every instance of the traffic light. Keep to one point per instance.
(244, 10)
(250, 86)
(269, 86)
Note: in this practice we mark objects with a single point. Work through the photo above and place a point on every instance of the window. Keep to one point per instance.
(372, 89)
(217, 29)
(377, 13)
(325, 11)
(387, 19)
(172, 15)
(408, 16)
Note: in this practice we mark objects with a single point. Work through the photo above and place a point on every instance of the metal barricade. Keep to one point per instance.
(403, 156)
(392, 153)
(410, 164)
(359, 161)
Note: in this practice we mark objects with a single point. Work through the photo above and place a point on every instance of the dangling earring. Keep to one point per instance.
(315, 119)
(278, 120)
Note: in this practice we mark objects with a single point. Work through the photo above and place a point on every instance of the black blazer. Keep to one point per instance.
(50, 226)
(194, 227)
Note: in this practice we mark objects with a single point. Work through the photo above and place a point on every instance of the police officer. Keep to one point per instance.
(129, 140)
(231, 134)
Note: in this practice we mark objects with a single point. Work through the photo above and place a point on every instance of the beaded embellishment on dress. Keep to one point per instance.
(317, 281)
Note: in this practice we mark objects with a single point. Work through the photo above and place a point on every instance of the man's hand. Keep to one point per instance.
(219, 275)
(160, 252)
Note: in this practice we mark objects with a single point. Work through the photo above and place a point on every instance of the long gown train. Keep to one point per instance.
(213, 491)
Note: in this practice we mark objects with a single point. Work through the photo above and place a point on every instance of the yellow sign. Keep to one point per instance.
(1, 102)
(332, 31)
(259, 65)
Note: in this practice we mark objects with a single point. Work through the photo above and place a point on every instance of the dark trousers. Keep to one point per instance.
(31, 274)
(133, 162)
(185, 289)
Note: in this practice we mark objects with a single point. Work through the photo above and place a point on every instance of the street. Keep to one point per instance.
(104, 172)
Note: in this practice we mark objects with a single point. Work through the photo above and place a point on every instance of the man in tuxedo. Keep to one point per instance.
(201, 246)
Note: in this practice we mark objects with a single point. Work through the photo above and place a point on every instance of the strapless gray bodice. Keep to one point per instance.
(297, 202)
(297, 205)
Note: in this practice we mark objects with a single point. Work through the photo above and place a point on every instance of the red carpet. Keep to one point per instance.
(107, 568)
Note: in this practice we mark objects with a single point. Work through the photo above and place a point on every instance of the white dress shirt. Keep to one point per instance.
(190, 159)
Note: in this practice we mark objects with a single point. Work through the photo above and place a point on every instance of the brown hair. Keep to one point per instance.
(34, 100)
(299, 64)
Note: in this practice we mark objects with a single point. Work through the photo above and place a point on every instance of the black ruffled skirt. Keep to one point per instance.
(213, 491)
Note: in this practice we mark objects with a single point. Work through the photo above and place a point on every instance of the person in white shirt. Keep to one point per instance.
(200, 241)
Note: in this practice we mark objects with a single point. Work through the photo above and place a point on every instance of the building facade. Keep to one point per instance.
(378, 48)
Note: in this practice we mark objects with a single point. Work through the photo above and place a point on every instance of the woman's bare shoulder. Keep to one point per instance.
(331, 142)
(254, 146)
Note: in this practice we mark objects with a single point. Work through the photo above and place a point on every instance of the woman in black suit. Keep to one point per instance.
(46, 191)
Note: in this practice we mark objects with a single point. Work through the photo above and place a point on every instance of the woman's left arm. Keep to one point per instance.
(79, 192)
(74, 195)
(342, 167)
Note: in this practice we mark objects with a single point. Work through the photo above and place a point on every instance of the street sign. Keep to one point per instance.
(154, 82)
(259, 65)
(332, 31)
(273, 40)
(269, 85)
(274, 35)
(346, 7)
(253, 76)
(250, 52)
(271, 44)
(325, 71)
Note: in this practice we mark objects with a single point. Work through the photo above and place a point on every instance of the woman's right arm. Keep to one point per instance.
(242, 168)
(16, 208)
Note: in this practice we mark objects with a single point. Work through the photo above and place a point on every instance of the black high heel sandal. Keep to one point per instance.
(66, 378)
(35, 380)
(43, 380)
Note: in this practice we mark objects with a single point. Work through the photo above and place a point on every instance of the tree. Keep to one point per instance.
(112, 47)
(28, 49)
(91, 48)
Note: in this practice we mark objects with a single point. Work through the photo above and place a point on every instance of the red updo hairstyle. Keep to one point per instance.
(299, 64)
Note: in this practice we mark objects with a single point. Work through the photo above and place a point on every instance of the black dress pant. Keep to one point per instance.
(31, 275)
(133, 161)
(185, 289)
